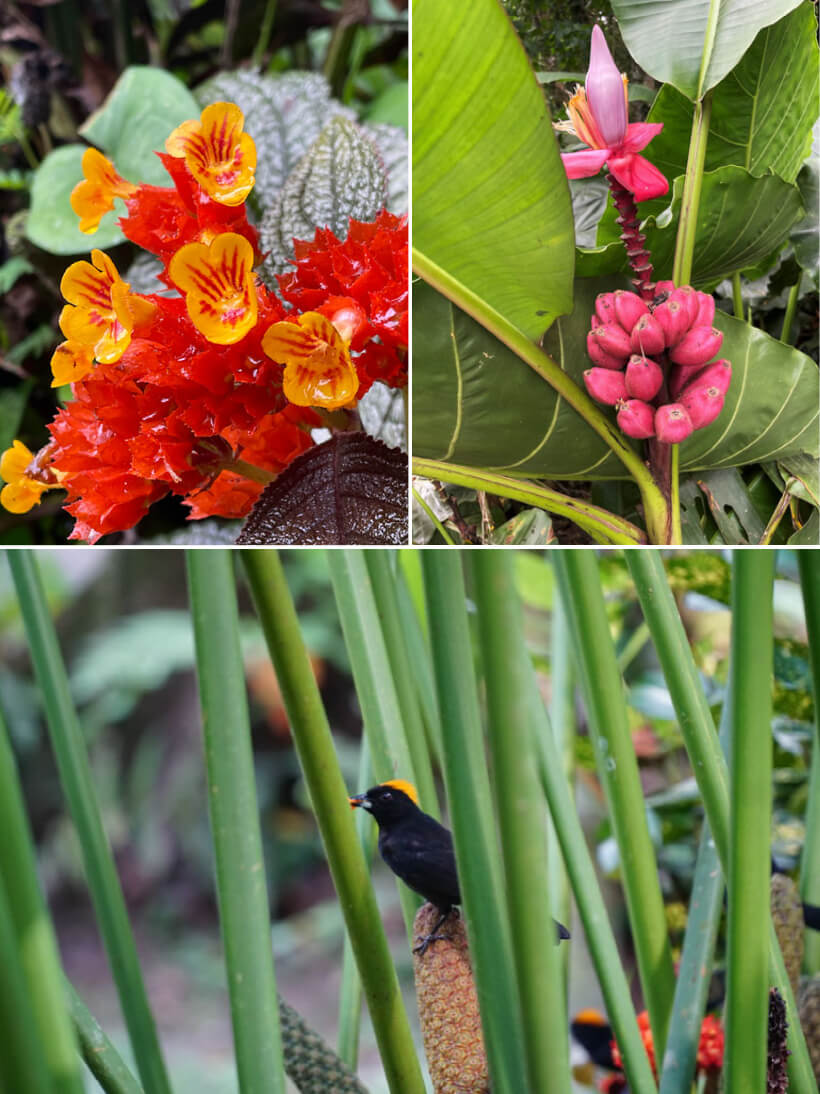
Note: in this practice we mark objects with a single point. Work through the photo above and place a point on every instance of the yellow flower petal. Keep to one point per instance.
(101, 311)
(15, 461)
(218, 282)
(218, 154)
(20, 492)
(92, 198)
(71, 361)
(318, 368)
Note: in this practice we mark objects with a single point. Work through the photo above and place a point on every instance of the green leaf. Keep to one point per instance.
(342, 176)
(532, 527)
(392, 106)
(476, 403)
(804, 234)
(731, 507)
(674, 40)
(145, 105)
(12, 404)
(741, 220)
(809, 534)
(52, 224)
(284, 115)
(12, 270)
(491, 202)
(762, 112)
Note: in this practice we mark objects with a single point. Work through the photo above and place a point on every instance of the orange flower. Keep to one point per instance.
(218, 282)
(92, 198)
(318, 369)
(71, 361)
(22, 491)
(218, 154)
(101, 312)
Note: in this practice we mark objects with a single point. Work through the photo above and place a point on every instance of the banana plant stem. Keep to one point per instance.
(603, 526)
(692, 185)
(788, 318)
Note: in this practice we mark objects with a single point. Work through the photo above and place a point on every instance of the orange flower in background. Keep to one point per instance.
(71, 361)
(218, 282)
(318, 369)
(22, 491)
(92, 198)
(101, 311)
(218, 154)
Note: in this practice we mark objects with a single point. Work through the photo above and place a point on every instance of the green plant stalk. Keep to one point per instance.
(603, 526)
(694, 974)
(78, 786)
(788, 318)
(419, 653)
(694, 716)
(737, 296)
(601, 941)
(778, 513)
(809, 564)
(383, 580)
(750, 784)
(633, 646)
(350, 990)
(234, 813)
(617, 765)
(264, 34)
(468, 793)
(692, 186)
(375, 689)
(713, 773)
(102, 1058)
(22, 1062)
(522, 822)
(563, 726)
(541, 363)
(34, 933)
(442, 531)
(675, 529)
(329, 796)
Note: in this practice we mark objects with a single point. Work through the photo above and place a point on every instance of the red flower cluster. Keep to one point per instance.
(208, 393)
(710, 1046)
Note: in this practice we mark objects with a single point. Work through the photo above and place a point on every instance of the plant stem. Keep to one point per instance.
(250, 471)
(750, 775)
(788, 318)
(234, 815)
(78, 786)
(103, 1060)
(468, 794)
(541, 363)
(603, 526)
(617, 765)
(666, 522)
(809, 565)
(521, 813)
(442, 531)
(264, 33)
(692, 185)
(329, 797)
(634, 241)
(737, 296)
(777, 515)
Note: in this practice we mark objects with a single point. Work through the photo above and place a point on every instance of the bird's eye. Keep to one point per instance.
(387, 795)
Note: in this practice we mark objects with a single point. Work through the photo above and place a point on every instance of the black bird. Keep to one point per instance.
(417, 848)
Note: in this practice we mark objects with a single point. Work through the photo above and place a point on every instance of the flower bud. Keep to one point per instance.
(604, 308)
(643, 378)
(629, 307)
(607, 385)
(702, 403)
(706, 310)
(697, 346)
(599, 355)
(647, 336)
(672, 315)
(672, 423)
(636, 418)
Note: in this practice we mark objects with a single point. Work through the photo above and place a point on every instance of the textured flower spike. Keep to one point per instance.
(25, 482)
(219, 286)
(101, 312)
(598, 117)
(318, 368)
(92, 198)
(218, 154)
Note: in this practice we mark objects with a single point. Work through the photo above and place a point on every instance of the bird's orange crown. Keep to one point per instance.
(406, 787)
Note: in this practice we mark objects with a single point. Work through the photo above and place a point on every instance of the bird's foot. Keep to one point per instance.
(425, 942)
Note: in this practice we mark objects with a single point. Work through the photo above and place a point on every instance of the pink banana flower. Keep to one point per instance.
(598, 117)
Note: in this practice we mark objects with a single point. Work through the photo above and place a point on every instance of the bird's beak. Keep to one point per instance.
(357, 801)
